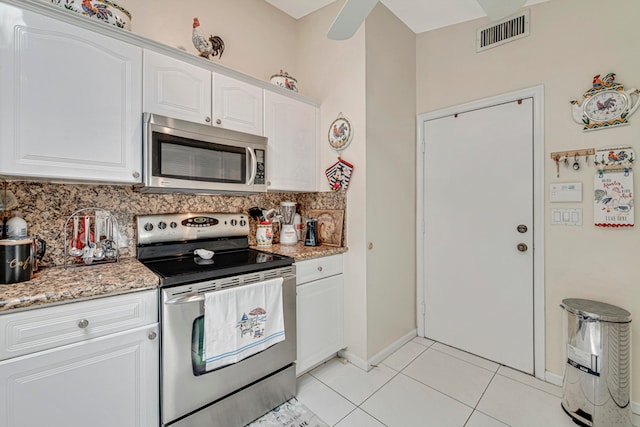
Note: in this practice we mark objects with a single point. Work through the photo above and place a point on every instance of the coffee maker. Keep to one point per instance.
(288, 235)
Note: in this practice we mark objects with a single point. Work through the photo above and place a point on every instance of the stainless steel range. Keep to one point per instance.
(235, 394)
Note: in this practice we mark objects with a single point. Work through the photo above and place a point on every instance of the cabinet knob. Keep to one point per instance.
(319, 268)
(370, 246)
(83, 323)
(207, 119)
(218, 122)
(152, 335)
(136, 174)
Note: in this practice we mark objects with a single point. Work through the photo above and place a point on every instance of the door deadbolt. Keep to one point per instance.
(522, 228)
(522, 247)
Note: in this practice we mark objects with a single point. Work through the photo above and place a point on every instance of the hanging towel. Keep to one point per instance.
(242, 321)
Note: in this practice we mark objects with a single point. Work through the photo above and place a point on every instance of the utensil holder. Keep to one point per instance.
(96, 250)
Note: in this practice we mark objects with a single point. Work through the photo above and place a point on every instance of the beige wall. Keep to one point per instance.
(259, 39)
(570, 42)
(391, 179)
(334, 72)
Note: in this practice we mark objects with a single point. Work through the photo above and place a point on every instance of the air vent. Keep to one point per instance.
(501, 32)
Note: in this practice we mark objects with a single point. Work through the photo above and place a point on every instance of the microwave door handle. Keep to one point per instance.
(254, 166)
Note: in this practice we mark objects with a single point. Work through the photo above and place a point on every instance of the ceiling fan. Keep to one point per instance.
(354, 12)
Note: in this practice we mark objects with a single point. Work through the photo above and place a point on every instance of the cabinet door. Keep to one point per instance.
(291, 127)
(237, 105)
(104, 382)
(176, 89)
(320, 313)
(71, 104)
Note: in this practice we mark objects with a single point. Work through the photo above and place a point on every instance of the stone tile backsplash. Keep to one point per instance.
(46, 208)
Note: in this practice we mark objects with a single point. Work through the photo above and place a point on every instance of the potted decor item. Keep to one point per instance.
(283, 79)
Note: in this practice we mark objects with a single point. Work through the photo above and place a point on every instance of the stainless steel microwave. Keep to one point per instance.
(186, 157)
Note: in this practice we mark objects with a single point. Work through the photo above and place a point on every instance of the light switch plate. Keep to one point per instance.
(565, 192)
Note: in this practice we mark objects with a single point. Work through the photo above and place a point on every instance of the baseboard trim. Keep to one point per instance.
(377, 359)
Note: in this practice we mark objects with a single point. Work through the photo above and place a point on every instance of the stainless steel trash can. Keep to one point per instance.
(596, 388)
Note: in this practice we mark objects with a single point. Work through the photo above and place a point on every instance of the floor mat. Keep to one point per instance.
(290, 414)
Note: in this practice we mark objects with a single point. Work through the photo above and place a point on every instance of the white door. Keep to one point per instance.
(478, 241)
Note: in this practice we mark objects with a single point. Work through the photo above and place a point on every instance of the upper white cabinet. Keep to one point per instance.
(292, 129)
(237, 105)
(174, 88)
(71, 106)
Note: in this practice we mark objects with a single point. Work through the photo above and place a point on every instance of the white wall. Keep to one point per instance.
(570, 42)
(391, 179)
(259, 39)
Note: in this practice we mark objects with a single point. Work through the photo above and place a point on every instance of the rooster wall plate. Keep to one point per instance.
(340, 133)
(606, 104)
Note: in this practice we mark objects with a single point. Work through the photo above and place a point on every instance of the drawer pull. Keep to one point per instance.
(319, 268)
(152, 335)
(83, 323)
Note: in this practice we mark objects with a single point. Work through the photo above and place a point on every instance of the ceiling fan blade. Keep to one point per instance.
(498, 9)
(352, 14)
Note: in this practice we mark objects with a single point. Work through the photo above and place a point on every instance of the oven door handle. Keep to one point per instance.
(185, 299)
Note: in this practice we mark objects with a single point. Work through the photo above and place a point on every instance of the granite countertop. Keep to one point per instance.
(301, 252)
(59, 285)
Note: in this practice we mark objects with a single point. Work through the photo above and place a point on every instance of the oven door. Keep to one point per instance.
(186, 387)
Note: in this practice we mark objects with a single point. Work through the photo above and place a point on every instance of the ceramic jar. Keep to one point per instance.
(264, 234)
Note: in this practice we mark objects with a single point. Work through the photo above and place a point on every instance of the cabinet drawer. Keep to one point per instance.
(314, 269)
(40, 329)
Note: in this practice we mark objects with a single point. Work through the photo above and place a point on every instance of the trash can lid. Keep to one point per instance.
(596, 310)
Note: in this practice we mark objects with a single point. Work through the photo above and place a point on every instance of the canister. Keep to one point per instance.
(264, 234)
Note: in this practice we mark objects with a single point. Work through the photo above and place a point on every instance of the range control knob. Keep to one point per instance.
(243, 223)
(148, 226)
(162, 225)
(234, 222)
(173, 224)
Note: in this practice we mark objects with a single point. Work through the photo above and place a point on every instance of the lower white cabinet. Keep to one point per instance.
(104, 381)
(320, 311)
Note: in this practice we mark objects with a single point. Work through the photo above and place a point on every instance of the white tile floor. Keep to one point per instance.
(429, 384)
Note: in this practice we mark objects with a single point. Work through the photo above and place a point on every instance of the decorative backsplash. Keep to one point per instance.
(46, 206)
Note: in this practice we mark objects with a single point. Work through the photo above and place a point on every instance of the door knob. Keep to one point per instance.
(522, 247)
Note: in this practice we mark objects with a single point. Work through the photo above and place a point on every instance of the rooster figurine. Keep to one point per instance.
(214, 46)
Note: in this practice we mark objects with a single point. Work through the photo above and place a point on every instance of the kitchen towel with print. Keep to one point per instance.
(242, 321)
(613, 203)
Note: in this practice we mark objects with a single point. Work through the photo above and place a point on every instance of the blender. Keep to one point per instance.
(288, 235)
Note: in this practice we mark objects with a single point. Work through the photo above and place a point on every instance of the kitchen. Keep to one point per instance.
(327, 71)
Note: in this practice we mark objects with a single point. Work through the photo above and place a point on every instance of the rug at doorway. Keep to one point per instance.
(290, 414)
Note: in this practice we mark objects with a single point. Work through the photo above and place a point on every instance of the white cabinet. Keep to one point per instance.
(71, 104)
(320, 311)
(87, 363)
(292, 129)
(174, 88)
(237, 105)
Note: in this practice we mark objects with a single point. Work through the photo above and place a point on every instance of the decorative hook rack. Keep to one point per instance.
(571, 155)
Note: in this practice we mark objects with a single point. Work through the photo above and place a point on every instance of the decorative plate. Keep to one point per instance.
(340, 133)
(103, 10)
(283, 79)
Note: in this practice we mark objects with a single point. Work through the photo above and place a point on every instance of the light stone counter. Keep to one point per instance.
(58, 285)
(301, 252)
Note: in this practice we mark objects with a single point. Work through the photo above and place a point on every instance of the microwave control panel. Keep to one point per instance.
(260, 172)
